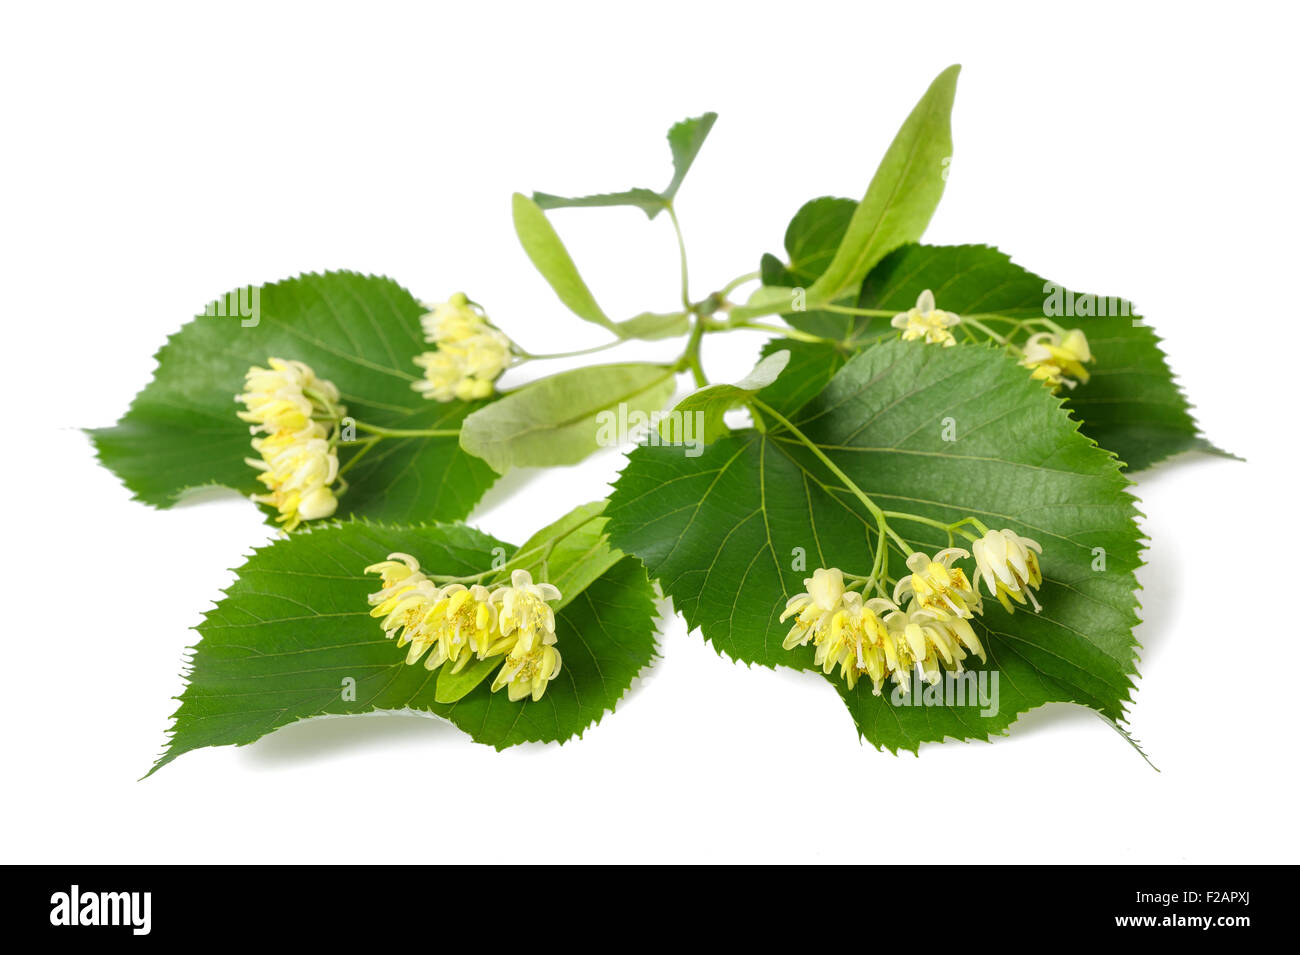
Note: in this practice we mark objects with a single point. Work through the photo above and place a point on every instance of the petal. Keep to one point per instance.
(879, 605)
(1076, 343)
(1026, 542)
(794, 605)
(917, 562)
(797, 637)
(826, 586)
(915, 637)
(1016, 558)
(949, 554)
(902, 588)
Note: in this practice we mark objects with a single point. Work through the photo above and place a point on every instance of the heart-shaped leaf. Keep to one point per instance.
(942, 433)
(1130, 405)
(360, 332)
(293, 639)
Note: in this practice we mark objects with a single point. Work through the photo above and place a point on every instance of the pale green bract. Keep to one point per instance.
(556, 420)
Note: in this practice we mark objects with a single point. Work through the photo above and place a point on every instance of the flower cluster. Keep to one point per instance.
(926, 322)
(883, 639)
(1058, 359)
(288, 409)
(455, 624)
(471, 353)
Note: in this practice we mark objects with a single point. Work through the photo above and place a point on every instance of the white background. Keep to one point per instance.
(155, 156)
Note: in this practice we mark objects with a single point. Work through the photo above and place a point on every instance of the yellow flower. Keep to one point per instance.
(462, 621)
(1058, 360)
(525, 611)
(959, 631)
(931, 643)
(270, 412)
(464, 371)
(451, 321)
(1007, 564)
(471, 353)
(816, 608)
(457, 623)
(297, 470)
(938, 586)
(298, 463)
(285, 396)
(401, 578)
(527, 626)
(294, 507)
(398, 569)
(406, 615)
(453, 623)
(875, 638)
(526, 672)
(847, 631)
(926, 322)
(858, 641)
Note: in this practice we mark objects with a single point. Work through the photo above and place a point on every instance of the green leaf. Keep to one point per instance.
(558, 420)
(652, 326)
(813, 236)
(552, 259)
(902, 196)
(720, 531)
(809, 369)
(715, 401)
(1131, 405)
(294, 629)
(684, 140)
(811, 239)
(647, 200)
(361, 332)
